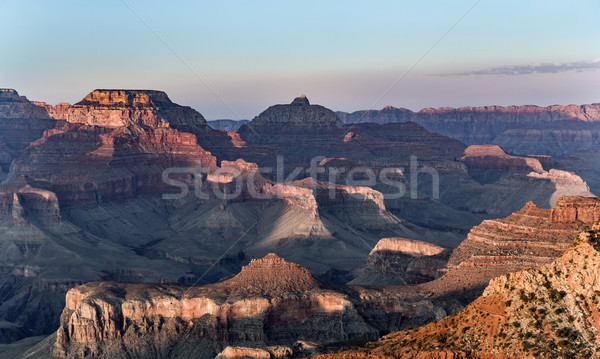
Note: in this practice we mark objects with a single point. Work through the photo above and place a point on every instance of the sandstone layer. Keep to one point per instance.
(21, 123)
(528, 238)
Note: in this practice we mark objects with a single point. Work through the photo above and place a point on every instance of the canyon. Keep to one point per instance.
(274, 306)
(134, 200)
(525, 130)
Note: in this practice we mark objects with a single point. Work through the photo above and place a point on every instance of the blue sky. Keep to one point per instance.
(345, 55)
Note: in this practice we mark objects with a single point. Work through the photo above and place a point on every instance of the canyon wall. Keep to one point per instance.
(553, 130)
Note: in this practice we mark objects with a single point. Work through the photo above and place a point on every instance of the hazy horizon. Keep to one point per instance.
(233, 60)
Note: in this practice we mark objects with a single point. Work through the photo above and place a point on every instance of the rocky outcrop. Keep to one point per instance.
(551, 311)
(126, 98)
(259, 353)
(257, 277)
(528, 238)
(305, 131)
(302, 130)
(553, 130)
(585, 164)
(102, 164)
(575, 209)
(283, 303)
(299, 113)
(400, 261)
(492, 161)
(117, 108)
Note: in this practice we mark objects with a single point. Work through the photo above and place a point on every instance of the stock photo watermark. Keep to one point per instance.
(230, 182)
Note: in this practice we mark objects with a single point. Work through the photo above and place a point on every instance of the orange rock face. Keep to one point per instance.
(116, 108)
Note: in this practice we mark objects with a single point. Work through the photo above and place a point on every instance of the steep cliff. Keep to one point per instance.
(116, 108)
(528, 238)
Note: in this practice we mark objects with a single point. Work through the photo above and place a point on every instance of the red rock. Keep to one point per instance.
(528, 238)
(576, 209)
(21, 123)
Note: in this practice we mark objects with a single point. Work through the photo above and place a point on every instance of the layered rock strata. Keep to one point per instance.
(528, 238)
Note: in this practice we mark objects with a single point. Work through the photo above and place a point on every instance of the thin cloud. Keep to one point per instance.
(534, 68)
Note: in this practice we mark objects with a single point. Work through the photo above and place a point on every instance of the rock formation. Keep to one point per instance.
(487, 163)
(271, 276)
(553, 130)
(585, 164)
(86, 183)
(400, 261)
(117, 108)
(528, 238)
(21, 122)
(304, 131)
(550, 311)
(266, 308)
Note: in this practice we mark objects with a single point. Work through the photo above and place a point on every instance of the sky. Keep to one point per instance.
(233, 59)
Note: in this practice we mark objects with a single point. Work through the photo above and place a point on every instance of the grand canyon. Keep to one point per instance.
(132, 228)
(283, 180)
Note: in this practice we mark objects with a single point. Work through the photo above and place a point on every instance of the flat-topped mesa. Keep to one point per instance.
(298, 113)
(485, 150)
(487, 163)
(10, 95)
(118, 108)
(272, 275)
(401, 261)
(120, 98)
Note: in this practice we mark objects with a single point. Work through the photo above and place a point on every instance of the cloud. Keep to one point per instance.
(534, 68)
